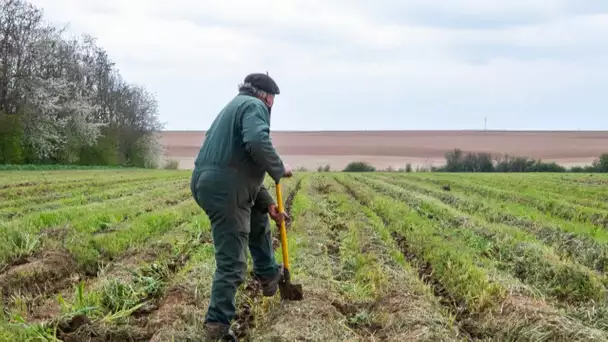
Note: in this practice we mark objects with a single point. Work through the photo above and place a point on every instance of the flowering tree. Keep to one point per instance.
(65, 100)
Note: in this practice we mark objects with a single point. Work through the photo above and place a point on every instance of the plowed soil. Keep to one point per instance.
(396, 148)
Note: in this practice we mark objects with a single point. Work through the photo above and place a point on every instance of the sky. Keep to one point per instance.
(357, 65)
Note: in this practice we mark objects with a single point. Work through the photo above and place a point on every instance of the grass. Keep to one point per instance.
(582, 242)
(515, 251)
(126, 254)
(35, 167)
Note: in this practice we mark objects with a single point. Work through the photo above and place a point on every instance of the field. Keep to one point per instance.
(126, 255)
(385, 149)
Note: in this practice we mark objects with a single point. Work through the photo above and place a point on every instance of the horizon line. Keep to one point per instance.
(416, 130)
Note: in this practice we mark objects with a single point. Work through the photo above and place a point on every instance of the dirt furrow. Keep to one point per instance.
(45, 273)
(425, 272)
(61, 236)
(292, 195)
(35, 284)
(142, 323)
(276, 240)
(51, 189)
(568, 240)
(511, 311)
(74, 200)
(336, 228)
(252, 291)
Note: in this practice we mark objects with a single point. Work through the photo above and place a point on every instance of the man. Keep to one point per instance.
(227, 183)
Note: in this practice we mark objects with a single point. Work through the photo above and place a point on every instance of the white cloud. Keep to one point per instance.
(469, 54)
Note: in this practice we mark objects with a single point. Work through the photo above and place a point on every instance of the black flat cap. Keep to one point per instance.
(263, 82)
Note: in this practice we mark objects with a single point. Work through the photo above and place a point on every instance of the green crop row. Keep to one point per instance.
(491, 303)
(550, 190)
(380, 256)
(381, 278)
(514, 250)
(352, 289)
(24, 236)
(89, 249)
(556, 207)
(14, 179)
(82, 196)
(62, 189)
(556, 185)
(131, 287)
(583, 243)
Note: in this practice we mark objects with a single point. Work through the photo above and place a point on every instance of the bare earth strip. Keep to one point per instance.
(396, 148)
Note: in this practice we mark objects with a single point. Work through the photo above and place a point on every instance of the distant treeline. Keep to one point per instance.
(459, 161)
(62, 101)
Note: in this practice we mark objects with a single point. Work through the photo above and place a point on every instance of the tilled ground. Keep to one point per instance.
(389, 257)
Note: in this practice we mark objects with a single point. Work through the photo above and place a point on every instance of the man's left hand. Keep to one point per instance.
(273, 211)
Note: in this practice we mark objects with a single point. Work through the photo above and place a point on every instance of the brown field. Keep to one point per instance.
(396, 148)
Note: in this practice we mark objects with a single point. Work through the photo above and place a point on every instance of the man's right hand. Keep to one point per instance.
(288, 172)
(276, 216)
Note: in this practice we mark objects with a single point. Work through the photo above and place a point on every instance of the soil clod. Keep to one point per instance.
(51, 272)
(71, 325)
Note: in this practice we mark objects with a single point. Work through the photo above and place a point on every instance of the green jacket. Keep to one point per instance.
(238, 144)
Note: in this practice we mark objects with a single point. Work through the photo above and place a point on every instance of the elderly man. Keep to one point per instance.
(227, 183)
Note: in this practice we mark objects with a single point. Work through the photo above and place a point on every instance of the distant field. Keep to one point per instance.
(396, 148)
(122, 255)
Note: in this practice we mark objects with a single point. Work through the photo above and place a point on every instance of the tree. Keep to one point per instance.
(67, 102)
(453, 161)
(359, 166)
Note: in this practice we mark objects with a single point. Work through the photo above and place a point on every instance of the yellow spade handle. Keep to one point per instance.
(282, 228)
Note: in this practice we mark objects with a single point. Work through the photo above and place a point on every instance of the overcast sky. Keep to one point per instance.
(363, 64)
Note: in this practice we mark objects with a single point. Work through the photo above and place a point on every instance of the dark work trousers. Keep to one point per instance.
(235, 225)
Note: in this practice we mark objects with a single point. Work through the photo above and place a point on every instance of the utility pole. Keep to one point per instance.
(485, 123)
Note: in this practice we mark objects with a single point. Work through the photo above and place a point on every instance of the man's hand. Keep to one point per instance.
(288, 172)
(273, 211)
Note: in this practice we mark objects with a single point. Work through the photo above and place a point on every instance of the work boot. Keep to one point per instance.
(270, 286)
(219, 332)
